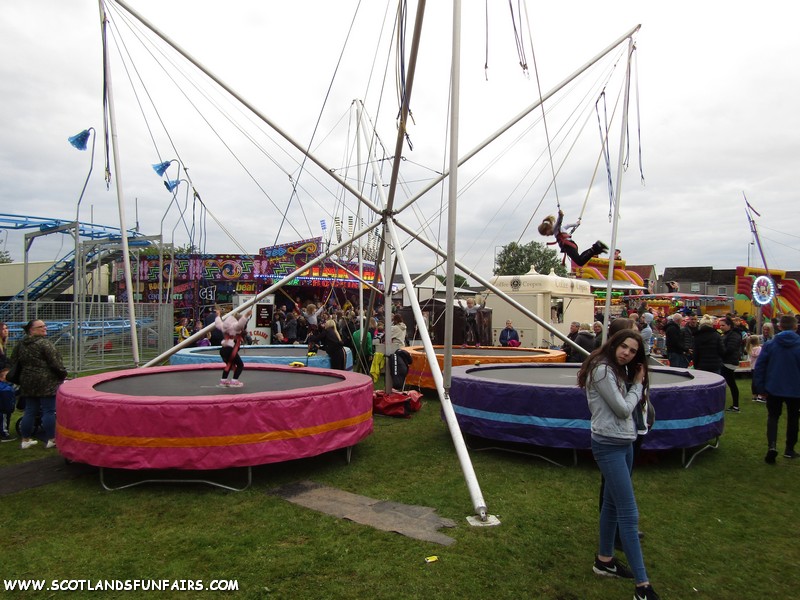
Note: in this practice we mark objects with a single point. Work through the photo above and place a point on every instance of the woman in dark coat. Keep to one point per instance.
(328, 337)
(3, 344)
(732, 342)
(708, 348)
(42, 372)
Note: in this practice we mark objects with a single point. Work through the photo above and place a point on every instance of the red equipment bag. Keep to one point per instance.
(396, 404)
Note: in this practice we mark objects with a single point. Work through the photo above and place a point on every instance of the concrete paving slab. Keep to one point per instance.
(35, 473)
(418, 522)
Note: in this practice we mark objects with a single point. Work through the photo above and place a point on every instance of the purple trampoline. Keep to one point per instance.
(541, 405)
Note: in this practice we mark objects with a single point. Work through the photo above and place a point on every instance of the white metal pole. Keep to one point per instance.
(452, 194)
(618, 189)
(361, 319)
(126, 264)
(478, 503)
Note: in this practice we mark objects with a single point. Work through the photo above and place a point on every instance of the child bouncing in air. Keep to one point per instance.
(563, 235)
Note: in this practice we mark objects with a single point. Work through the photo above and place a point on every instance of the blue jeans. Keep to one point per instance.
(676, 359)
(32, 406)
(619, 505)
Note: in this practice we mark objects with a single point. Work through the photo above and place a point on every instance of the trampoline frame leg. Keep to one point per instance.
(709, 446)
(166, 480)
(533, 454)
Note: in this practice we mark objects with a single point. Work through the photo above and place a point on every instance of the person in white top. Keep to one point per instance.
(398, 334)
(232, 329)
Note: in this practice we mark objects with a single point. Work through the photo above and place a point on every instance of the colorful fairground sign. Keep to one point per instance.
(763, 290)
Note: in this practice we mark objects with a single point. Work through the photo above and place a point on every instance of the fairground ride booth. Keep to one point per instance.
(667, 304)
(624, 282)
(557, 300)
(434, 317)
(196, 282)
(766, 294)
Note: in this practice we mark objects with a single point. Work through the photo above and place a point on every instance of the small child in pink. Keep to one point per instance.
(753, 349)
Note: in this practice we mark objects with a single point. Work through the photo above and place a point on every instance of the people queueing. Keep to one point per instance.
(574, 327)
(182, 330)
(708, 347)
(585, 339)
(597, 327)
(647, 332)
(328, 337)
(290, 328)
(677, 353)
(397, 333)
(363, 349)
(732, 343)
(688, 329)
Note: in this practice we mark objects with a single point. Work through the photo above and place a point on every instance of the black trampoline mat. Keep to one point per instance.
(205, 382)
(564, 376)
(291, 350)
(471, 351)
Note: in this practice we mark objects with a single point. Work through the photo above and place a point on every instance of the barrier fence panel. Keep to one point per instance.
(96, 336)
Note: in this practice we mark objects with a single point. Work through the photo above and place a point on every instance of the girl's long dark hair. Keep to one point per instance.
(607, 354)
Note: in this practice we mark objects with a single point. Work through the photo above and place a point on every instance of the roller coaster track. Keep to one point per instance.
(59, 277)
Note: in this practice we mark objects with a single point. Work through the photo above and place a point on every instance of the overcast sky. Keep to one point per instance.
(713, 112)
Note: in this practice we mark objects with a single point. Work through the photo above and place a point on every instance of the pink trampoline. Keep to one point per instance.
(178, 418)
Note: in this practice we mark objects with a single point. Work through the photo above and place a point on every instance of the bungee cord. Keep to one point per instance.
(293, 194)
(544, 119)
(520, 44)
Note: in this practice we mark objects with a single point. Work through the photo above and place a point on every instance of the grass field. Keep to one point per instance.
(726, 528)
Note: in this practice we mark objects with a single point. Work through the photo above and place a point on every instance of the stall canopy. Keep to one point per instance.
(702, 298)
(615, 285)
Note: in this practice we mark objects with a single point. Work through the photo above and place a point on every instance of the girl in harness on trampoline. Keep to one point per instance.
(232, 331)
(563, 234)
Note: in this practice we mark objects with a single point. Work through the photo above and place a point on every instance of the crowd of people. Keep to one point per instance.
(316, 322)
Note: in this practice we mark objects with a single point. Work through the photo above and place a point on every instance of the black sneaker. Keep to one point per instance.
(733, 409)
(791, 454)
(612, 568)
(770, 457)
(645, 592)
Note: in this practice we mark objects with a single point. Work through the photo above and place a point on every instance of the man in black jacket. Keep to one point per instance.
(676, 349)
(689, 330)
(732, 342)
(573, 333)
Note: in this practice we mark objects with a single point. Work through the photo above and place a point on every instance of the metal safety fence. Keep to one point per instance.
(95, 336)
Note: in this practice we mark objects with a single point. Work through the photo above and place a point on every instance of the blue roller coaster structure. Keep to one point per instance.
(60, 276)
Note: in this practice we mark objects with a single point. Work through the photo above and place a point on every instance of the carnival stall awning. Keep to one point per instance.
(702, 298)
(615, 285)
